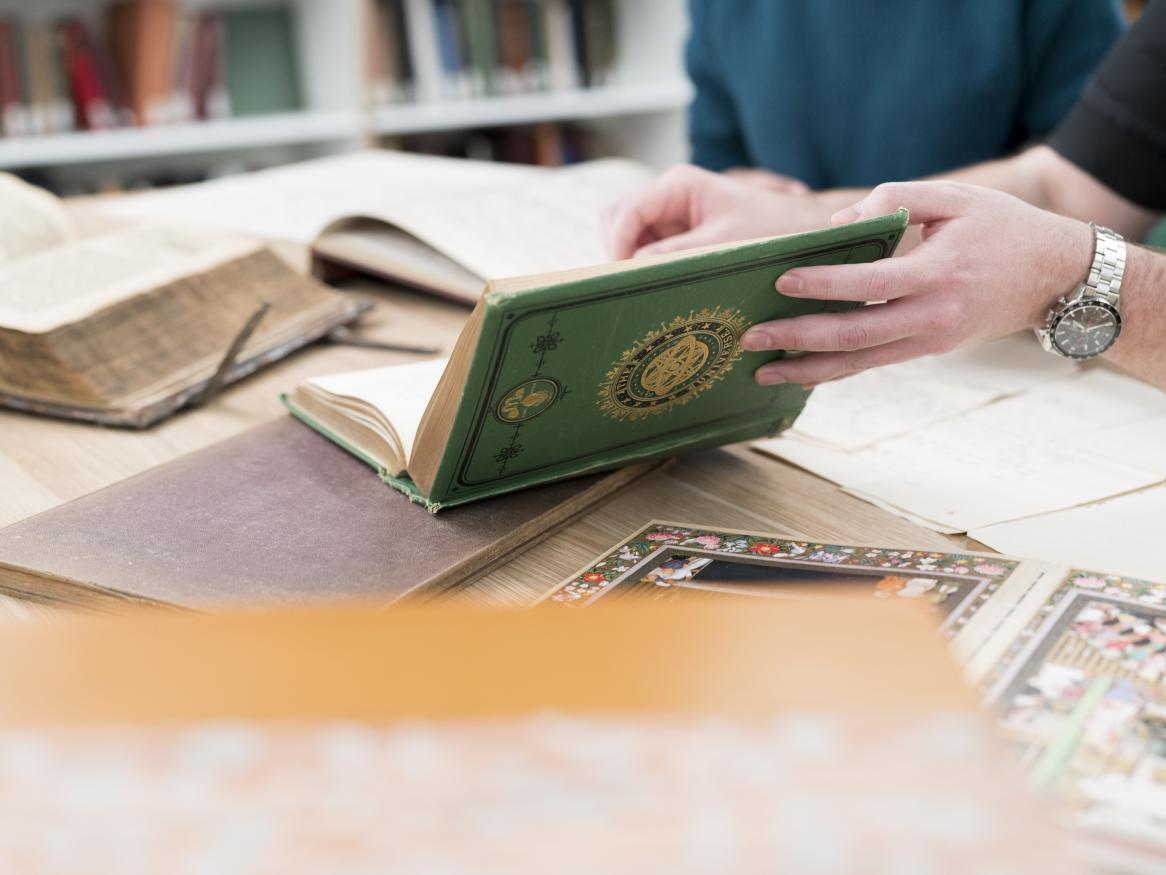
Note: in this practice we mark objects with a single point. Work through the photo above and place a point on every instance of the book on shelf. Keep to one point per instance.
(572, 372)
(260, 60)
(465, 48)
(145, 62)
(126, 327)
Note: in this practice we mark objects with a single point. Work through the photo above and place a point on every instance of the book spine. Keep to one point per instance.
(91, 103)
(536, 22)
(578, 18)
(406, 68)
(423, 48)
(514, 49)
(450, 47)
(563, 73)
(14, 114)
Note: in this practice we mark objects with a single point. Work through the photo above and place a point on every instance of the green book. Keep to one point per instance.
(262, 75)
(570, 373)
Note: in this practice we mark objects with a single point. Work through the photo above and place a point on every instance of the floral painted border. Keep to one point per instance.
(609, 570)
(1146, 592)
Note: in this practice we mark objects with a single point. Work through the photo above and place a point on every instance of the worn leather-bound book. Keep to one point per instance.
(128, 326)
(568, 373)
(275, 515)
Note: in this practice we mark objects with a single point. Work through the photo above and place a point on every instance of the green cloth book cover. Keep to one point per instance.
(574, 373)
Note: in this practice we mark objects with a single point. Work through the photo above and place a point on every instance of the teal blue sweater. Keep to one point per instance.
(857, 92)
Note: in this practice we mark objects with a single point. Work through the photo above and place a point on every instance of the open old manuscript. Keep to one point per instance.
(1072, 661)
(442, 225)
(125, 327)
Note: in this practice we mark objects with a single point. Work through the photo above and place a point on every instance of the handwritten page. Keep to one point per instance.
(1029, 454)
(886, 402)
(32, 220)
(400, 393)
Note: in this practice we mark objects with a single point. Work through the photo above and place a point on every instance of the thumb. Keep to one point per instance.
(926, 202)
(664, 203)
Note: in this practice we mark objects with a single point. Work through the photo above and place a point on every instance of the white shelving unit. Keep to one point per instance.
(641, 113)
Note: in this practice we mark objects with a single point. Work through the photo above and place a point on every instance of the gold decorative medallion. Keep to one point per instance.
(527, 400)
(673, 364)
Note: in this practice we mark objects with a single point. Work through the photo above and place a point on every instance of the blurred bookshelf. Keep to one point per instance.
(95, 93)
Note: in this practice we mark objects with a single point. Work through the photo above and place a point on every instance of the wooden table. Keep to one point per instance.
(45, 462)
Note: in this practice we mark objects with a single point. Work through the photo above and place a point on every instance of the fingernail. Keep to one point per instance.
(755, 341)
(790, 284)
(768, 378)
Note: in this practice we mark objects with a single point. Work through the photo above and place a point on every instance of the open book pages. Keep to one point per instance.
(1072, 661)
(125, 327)
(376, 412)
(64, 284)
(982, 436)
(296, 202)
(32, 220)
(442, 224)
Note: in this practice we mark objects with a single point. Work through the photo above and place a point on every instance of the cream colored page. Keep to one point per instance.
(53, 288)
(31, 220)
(530, 227)
(1124, 535)
(400, 392)
(297, 202)
(1016, 458)
(886, 402)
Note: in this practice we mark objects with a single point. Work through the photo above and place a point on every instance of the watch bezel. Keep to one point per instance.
(1068, 311)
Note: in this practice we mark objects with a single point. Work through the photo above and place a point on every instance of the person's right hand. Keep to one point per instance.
(688, 207)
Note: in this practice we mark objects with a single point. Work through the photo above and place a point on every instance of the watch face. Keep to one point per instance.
(1086, 329)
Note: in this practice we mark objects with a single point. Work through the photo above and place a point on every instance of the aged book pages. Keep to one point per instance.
(32, 219)
(125, 327)
(64, 284)
(378, 411)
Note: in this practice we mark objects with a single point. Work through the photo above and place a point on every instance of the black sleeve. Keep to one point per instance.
(1117, 131)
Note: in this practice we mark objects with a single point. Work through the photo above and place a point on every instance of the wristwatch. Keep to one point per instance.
(1087, 321)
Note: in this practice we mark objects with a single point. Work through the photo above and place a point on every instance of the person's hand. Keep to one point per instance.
(767, 179)
(989, 265)
(688, 207)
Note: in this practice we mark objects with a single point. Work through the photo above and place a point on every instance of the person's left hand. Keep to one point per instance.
(989, 265)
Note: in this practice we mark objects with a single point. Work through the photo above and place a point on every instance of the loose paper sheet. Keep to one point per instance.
(1126, 534)
(885, 402)
(1022, 455)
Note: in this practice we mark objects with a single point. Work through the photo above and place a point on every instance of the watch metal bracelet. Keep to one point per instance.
(1109, 264)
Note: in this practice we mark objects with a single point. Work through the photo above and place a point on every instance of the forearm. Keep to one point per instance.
(1044, 179)
(1141, 348)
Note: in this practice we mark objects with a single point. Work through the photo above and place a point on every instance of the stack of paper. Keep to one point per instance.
(1002, 441)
